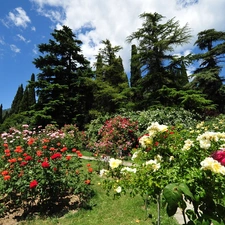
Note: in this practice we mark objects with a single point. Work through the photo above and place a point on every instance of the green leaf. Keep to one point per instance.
(172, 194)
(171, 209)
(185, 189)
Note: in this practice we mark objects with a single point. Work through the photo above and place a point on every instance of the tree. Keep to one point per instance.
(64, 95)
(135, 67)
(156, 42)
(207, 77)
(111, 83)
(15, 107)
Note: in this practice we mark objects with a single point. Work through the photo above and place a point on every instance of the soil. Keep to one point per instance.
(59, 209)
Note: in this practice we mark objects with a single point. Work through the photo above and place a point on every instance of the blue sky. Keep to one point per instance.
(26, 23)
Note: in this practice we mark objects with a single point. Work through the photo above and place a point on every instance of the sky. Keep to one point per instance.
(24, 24)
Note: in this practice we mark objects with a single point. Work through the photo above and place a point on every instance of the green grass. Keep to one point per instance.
(107, 211)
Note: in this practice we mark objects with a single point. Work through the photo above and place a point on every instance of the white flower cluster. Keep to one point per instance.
(124, 170)
(114, 163)
(211, 164)
(188, 144)
(154, 164)
(206, 138)
(155, 127)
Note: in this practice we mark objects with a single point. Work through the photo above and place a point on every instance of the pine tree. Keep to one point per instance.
(64, 94)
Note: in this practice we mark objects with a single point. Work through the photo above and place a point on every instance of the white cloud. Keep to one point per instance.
(18, 17)
(22, 38)
(115, 20)
(2, 42)
(14, 48)
(33, 28)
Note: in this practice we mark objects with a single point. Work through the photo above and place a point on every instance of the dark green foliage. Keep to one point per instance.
(64, 93)
(155, 43)
(15, 107)
(111, 89)
(207, 77)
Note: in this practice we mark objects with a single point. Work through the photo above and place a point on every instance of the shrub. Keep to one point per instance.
(117, 137)
(37, 167)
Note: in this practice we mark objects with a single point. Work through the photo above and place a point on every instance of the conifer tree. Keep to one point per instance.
(64, 93)
(155, 45)
(207, 77)
(135, 67)
(15, 107)
(111, 84)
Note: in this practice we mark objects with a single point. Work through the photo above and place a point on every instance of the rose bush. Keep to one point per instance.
(176, 166)
(39, 166)
(117, 137)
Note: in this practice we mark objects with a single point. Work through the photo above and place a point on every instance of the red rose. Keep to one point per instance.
(28, 158)
(56, 156)
(33, 184)
(45, 165)
(23, 163)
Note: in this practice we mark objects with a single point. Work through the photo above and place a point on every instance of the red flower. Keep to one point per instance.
(87, 181)
(13, 160)
(63, 149)
(33, 184)
(74, 150)
(219, 156)
(30, 141)
(7, 177)
(28, 158)
(7, 151)
(5, 172)
(45, 165)
(90, 170)
(52, 149)
(88, 165)
(23, 163)
(39, 153)
(56, 156)
(68, 157)
(44, 146)
(5, 145)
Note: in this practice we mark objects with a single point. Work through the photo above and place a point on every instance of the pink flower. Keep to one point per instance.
(219, 156)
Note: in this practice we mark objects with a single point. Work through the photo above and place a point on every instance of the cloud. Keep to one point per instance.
(18, 18)
(115, 20)
(2, 42)
(22, 38)
(14, 48)
(33, 28)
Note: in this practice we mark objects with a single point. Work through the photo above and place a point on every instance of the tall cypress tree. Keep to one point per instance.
(15, 107)
(64, 94)
(111, 84)
(135, 67)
